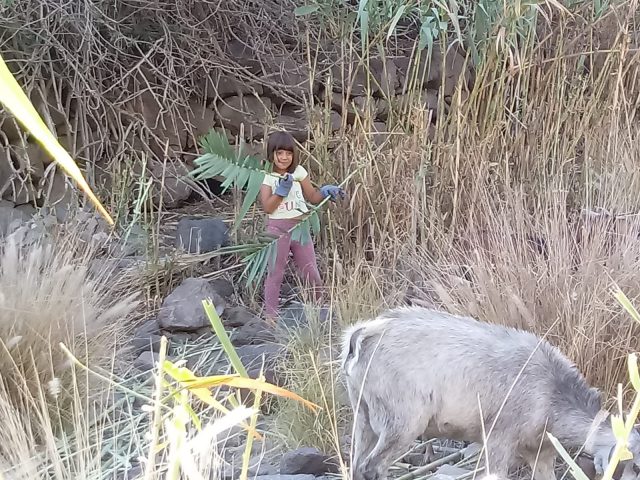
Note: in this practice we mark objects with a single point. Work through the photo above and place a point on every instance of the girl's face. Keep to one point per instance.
(282, 160)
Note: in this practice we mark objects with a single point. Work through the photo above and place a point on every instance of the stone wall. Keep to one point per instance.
(139, 124)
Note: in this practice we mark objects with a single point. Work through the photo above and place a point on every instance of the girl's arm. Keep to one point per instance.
(311, 193)
(270, 201)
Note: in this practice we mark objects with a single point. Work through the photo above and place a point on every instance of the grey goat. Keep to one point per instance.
(413, 371)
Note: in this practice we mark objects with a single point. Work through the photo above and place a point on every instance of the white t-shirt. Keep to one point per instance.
(293, 205)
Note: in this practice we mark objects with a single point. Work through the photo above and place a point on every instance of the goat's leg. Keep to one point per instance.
(364, 438)
(395, 435)
(498, 458)
(542, 463)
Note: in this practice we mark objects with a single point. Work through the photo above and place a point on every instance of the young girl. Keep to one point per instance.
(283, 199)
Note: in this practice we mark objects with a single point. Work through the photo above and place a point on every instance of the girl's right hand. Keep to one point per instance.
(284, 185)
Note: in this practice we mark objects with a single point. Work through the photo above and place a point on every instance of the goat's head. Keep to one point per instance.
(628, 469)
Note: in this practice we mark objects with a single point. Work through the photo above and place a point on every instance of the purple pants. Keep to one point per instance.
(304, 257)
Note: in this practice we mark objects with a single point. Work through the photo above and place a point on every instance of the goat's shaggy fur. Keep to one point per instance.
(414, 371)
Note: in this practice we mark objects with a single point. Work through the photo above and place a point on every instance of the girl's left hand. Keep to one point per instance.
(332, 190)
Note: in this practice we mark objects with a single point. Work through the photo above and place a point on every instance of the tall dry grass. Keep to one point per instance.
(488, 219)
(48, 297)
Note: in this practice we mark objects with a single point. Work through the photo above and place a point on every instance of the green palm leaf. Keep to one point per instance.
(237, 167)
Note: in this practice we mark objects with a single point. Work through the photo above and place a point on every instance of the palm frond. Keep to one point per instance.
(238, 168)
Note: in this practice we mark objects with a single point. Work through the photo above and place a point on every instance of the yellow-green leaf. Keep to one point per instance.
(617, 426)
(576, 471)
(17, 102)
(634, 375)
(625, 454)
(249, 383)
(626, 303)
(218, 328)
(160, 447)
(184, 375)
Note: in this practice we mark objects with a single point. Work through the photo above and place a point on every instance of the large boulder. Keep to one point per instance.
(182, 309)
(252, 112)
(289, 78)
(11, 218)
(306, 460)
(201, 235)
(172, 185)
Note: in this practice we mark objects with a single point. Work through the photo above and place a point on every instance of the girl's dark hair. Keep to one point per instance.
(282, 141)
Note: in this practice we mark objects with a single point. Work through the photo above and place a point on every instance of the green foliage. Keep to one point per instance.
(473, 24)
(238, 168)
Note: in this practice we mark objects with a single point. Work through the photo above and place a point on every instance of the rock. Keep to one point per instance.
(146, 361)
(285, 477)
(222, 85)
(134, 242)
(182, 308)
(254, 331)
(235, 317)
(380, 135)
(172, 188)
(293, 76)
(28, 209)
(297, 127)
(145, 343)
(244, 55)
(11, 219)
(201, 235)
(307, 460)
(134, 473)
(253, 112)
(295, 315)
(471, 450)
(587, 467)
(251, 356)
(416, 459)
(430, 71)
(223, 287)
(440, 476)
(32, 158)
(451, 471)
(258, 468)
(351, 78)
(11, 128)
(336, 121)
(111, 267)
(385, 73)
(270, 375)
(58, 192)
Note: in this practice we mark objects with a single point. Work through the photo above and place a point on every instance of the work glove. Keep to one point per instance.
(284, 185)
(332, 190)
